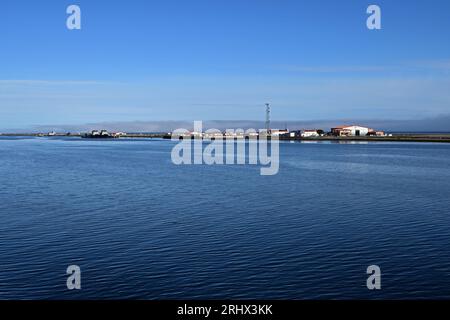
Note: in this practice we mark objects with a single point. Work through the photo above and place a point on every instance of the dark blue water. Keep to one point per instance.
(141, 227)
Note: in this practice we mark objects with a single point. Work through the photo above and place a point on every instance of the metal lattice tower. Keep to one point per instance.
(267, 117)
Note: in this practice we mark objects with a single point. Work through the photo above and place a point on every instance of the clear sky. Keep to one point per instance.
(222, 59)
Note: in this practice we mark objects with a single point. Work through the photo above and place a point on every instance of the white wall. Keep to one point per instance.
(309, 134)
(362, 130)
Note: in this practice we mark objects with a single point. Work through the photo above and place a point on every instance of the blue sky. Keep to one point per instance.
(186, 60)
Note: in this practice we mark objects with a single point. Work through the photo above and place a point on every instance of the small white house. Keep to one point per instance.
(277, 132)
(309, 133)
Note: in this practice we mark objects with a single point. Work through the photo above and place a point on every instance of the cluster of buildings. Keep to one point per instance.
(103, 134)
(106, 133)
(340, 131)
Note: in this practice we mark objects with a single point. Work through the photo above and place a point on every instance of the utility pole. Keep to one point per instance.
(267, 117)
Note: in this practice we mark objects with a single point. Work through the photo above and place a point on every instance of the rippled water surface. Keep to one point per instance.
(141, 227)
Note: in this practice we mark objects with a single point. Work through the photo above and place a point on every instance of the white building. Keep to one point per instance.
(353, 131)
(277, 132)
(309, 133)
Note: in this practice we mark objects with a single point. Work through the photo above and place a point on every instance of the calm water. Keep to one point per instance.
(141, 227)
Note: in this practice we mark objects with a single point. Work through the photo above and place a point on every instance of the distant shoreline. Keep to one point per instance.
(406, 137)
(394, 138)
